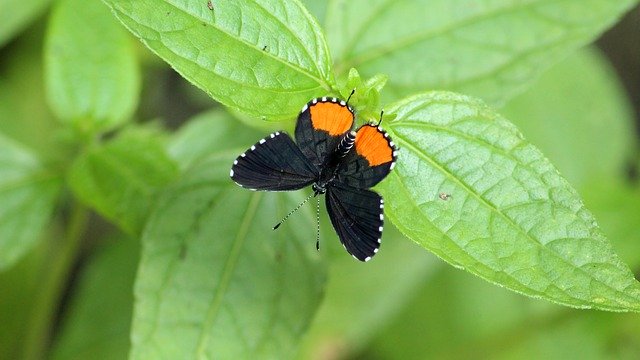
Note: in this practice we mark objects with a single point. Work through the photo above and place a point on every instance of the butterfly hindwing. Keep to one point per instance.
(274, 163)
(321, 125)
(370, 160)
(357, 216)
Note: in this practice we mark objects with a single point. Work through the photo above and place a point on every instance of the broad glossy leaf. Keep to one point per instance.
(121, 178)
(92, 75)
(492, 49)
(214, 280)
(88, 331)
(263, 57)
(27, 197)
(510, 218)
(587, 140)
(15, 15)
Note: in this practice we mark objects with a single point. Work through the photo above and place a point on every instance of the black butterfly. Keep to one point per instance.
(334, 160)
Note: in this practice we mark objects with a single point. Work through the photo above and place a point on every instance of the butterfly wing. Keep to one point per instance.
(357, 216)
(371, 159)
(274, 163)
(321, 125)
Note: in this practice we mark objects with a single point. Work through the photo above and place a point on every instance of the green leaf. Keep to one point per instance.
(88, 331)
(554, 110)
(265, 58)
(205, 134)
(510, 218)
(121, 178)
(16, 15)
(214, 279)
(27, 197)
(490, 49)
(91, 71)
(26, 119)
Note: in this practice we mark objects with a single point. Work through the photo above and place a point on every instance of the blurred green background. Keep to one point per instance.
(407, 304)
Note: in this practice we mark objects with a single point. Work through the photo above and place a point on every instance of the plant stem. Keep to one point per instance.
(54, 276)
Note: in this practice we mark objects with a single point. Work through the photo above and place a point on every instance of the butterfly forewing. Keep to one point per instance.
(370, 160)
(274, 163)
(357, 216)
(320, 127)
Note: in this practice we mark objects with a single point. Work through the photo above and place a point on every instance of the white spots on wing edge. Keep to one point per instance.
(231, 172)
(253, 147)
(367, 258)
(262, 141)
(380, 228)
(235, 162)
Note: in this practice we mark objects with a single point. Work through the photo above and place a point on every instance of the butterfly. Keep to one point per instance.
(335, 160)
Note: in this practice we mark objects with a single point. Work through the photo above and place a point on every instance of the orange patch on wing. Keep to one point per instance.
(331, 117)
(373, 146)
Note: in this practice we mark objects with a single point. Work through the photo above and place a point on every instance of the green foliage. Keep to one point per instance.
(27, 195)
(180, 262)
(16, 15)
(248, 55)
(87, 329)
(92, 76)
(489, 49)
(511, 218)
(214, 280)
(121, 178)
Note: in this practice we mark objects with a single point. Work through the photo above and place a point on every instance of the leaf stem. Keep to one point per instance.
(54, 276)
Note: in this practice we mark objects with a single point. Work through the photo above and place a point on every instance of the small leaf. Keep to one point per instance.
(15, 15)
(264, 58)
(214, 280)
(91, 71)
(121, 178)
(27, 197)
(490, 49)
(88, 331)
(510, 217)
(554, 110)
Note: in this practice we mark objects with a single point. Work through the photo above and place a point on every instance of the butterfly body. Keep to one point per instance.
(336, 161)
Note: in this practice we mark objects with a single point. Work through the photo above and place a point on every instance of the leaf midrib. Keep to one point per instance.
(227, 271)
(493, 208)
(252, 47)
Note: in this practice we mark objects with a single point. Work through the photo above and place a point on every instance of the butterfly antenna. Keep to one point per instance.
(380, 121)
(318, 224)
(350, 95)
(292, 211)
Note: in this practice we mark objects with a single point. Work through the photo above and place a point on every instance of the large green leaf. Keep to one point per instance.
(263, 57)
(214, 280)
(121, 178)
(16, 15)
(490, 49)
(511, 218)
(88, 331)
(553, 111)
(92, 75)
(27, 198)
